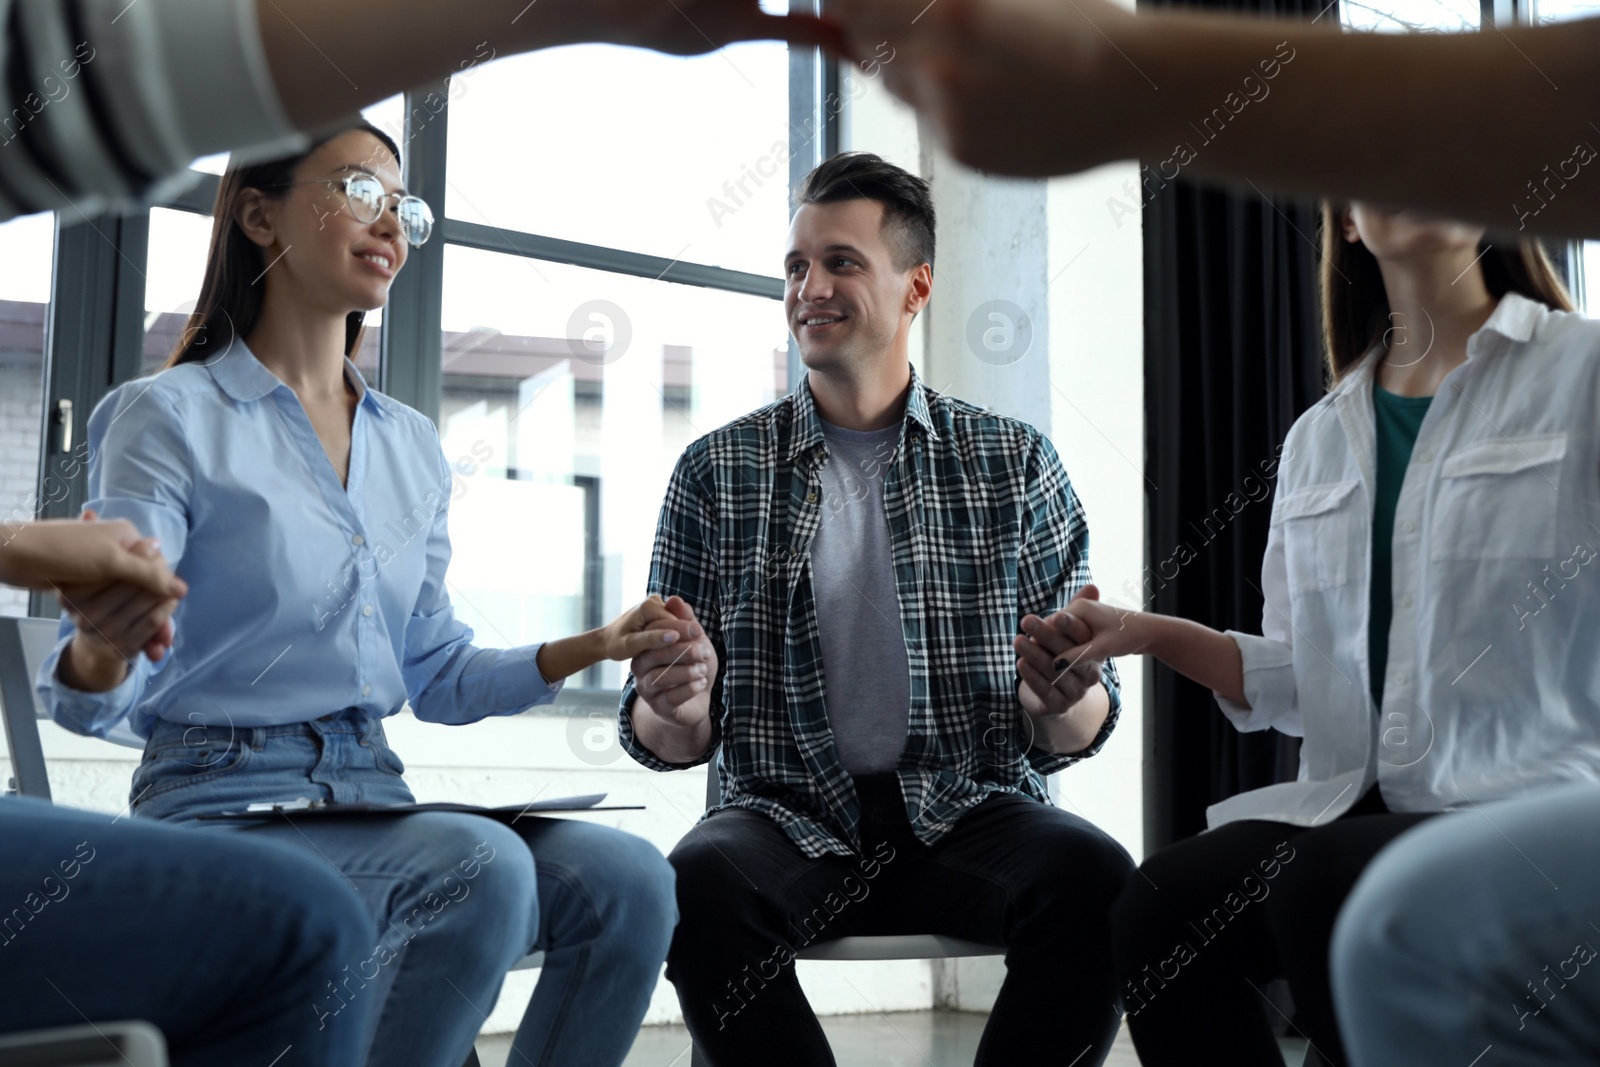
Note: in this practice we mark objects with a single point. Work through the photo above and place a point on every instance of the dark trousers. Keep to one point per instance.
(1207, 922)
(1014, 872)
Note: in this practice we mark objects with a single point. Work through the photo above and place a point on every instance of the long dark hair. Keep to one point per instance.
(229, 304)
(1355, 305)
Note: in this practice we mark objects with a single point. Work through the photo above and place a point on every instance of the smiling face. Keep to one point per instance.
(311, 243)
(847, 303)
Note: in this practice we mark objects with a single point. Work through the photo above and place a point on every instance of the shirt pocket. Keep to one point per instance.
(1498, 499)
(1318, 524)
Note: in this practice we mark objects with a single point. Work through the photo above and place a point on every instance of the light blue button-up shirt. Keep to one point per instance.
(305, 596)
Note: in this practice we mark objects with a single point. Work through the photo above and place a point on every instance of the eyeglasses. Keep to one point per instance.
(367, 200)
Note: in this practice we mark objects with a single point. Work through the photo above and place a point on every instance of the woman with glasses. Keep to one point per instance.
(307, 513)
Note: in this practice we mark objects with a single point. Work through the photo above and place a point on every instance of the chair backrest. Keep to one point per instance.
(24, 644)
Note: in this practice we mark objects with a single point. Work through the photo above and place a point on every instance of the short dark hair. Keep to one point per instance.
(905, 198)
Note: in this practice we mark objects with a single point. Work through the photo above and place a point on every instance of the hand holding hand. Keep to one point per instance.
(675, 681)
(636, 630)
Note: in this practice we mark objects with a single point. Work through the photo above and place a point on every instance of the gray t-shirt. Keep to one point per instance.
(866, 675)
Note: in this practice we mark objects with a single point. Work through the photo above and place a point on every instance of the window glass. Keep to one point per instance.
(568, 395)
(27, 257)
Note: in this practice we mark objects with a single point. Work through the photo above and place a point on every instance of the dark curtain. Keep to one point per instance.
(1232, 355)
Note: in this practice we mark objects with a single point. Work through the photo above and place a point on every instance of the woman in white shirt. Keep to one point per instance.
(1433, 530)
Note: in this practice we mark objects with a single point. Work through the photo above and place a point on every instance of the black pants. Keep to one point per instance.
(1032, 878)
(1207, 922)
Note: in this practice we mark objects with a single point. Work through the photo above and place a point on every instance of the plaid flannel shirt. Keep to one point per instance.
(984, 528)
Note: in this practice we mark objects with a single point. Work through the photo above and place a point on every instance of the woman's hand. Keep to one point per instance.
(1100, 632)
(630, 634)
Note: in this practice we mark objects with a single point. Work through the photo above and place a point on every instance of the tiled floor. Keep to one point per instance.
(899, 1039)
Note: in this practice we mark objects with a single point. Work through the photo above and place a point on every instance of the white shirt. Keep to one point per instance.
(1494, 651)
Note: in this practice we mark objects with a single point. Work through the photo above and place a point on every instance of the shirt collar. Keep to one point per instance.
(242, 376)
(808, 424)
(1515, 319)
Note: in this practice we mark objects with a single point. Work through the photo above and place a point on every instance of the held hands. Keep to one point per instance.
(86, 555)
(121, 601)
(675, 681)
(1061, 657)
(629, 634)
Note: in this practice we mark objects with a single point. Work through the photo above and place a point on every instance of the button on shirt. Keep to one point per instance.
(305, 596)
(984, 528)
(1492, 686)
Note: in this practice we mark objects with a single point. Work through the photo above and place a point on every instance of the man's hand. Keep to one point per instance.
(1009, 86)
(672, 712)
(675, 681)
(1062, 694)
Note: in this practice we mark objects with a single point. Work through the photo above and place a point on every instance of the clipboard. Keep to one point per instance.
(508, 814)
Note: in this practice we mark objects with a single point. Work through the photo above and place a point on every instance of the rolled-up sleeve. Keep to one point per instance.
(447, 678)
(140, 469)
(1269, 682)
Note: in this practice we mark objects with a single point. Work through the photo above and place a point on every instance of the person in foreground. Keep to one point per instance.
(866, 574)
(309, 516)
(1472, 939)
(77, 941)
(1420, 631)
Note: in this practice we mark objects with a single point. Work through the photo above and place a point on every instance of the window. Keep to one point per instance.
(1403, 16)
(27, 254)
(684, 158)
(575, 363)
(568, 395)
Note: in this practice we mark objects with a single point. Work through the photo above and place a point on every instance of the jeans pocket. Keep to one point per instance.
(174, 766)
(383, 757)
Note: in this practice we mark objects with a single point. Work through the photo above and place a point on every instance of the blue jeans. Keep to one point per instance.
(1475, 939)
(453, 900)
(218, 940)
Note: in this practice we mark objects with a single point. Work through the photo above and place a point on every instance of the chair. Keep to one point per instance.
(882, 947)
(119, 1044)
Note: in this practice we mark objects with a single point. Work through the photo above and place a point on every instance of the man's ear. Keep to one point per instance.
(921, 289)
(257, 217)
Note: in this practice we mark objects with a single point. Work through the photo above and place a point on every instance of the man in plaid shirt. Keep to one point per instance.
(869, 577)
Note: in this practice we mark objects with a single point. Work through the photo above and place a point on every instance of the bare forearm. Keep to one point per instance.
(1076, 728)
(566, 656)
(1376, 117)
(1197, 652)
(91, 670)
(329, 59)
(672, 742)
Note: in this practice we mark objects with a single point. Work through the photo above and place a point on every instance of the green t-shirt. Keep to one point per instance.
(1398, 419)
